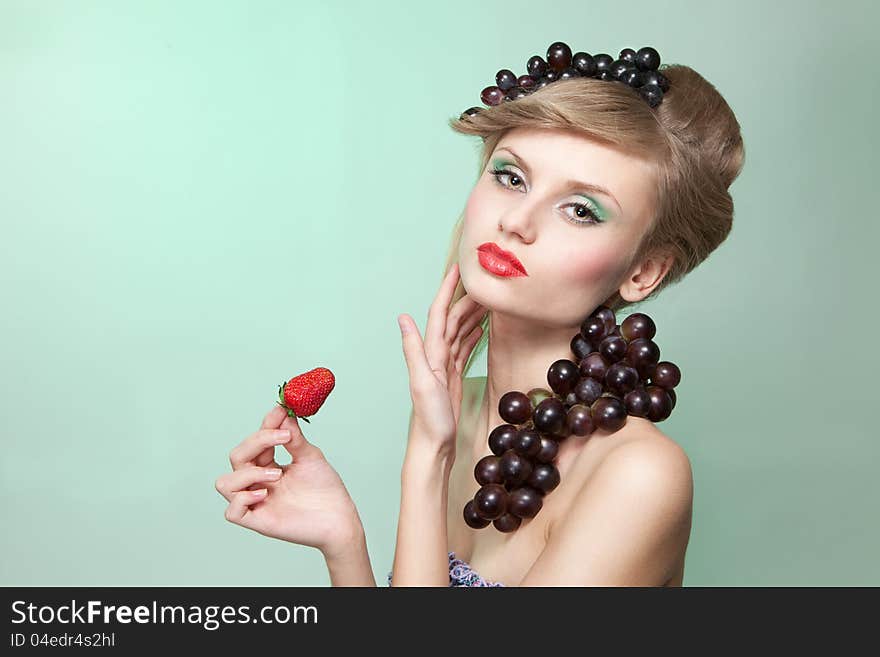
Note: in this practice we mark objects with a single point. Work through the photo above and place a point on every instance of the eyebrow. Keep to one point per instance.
(598, 189)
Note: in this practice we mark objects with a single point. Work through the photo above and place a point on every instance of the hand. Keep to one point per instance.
(307, 504)
(435, 365)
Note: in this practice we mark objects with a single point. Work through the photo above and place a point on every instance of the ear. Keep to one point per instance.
(646, 276)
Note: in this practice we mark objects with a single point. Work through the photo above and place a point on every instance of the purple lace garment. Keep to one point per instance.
(461, 574)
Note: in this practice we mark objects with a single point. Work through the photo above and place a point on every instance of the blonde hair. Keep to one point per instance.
(692, 138)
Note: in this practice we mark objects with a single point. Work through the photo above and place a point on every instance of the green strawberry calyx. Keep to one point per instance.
(281, 403)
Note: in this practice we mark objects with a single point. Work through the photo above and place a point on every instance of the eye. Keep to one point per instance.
(497, 173)
(582, 209)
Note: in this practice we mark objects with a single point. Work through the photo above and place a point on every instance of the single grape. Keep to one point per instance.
(514, 407)
(527, 442)
(488, 470)
(647, 59)
(642, 354)
(526, 82)
(588, 390)
(661, 404)
(666, 375)
(580, 346)
(525, 502)
(621, 378)
(492, 96)
(618, 67)
(562, 376)
(638, 325)
(472, 518)
(544, 478)
(584, 63)
(501, 438)
(490, 501)
(608, 413)
(594, 366)
(507, 523)
(536, 66)
(612, 348)
(549, 416)
(549, 450)
(559, 56)
(579, 421)
(515, 468)
(603, 61)
(505, 79)
(638, 402)
(593, 330)
(607, 316)
(628, 55)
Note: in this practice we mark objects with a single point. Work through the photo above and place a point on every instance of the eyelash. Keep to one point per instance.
(497, 173)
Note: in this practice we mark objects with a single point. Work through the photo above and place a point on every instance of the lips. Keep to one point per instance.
(497, 252)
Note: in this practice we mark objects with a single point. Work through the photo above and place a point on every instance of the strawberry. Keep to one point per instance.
(304, 394)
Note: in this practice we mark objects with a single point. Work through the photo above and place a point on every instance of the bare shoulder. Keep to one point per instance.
(653, 463)
(627, 523)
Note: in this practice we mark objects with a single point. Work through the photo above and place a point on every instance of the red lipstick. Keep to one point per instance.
(498, 261)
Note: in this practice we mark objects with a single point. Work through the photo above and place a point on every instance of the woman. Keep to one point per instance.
(597, 198)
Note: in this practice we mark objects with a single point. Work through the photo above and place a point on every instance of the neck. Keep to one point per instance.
(519, 353)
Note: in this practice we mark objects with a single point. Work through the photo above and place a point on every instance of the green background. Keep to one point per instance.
(201, 200)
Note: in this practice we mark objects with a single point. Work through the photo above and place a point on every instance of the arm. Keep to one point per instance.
(435, 368)
(420, 557)
(351, 567)
(627, 525)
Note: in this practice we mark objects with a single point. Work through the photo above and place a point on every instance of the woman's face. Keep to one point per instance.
(574, 240)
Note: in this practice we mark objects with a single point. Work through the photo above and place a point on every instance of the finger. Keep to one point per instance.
(462, 314)
(435, 330)
(238, 508)
(470, 322)
(233, 482)
(272, 420)
(299, 447)
(246, 452)
(465, 330)
(414, 351)
(467, 346)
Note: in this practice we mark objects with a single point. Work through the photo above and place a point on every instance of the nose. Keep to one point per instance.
(520, 221)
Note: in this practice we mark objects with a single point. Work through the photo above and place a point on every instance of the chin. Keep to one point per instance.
(493, 293)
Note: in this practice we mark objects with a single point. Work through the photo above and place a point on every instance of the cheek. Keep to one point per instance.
(478, 208)
(594, 263)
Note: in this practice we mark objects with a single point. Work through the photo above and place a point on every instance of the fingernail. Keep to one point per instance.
(259, 493)
(273, 472)
(404, 329)
(282, 435)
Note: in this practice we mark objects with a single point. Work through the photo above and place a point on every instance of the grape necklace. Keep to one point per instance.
(616, 372)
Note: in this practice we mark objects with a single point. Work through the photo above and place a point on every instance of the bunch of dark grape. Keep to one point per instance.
(616, 371)
(636, 69)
